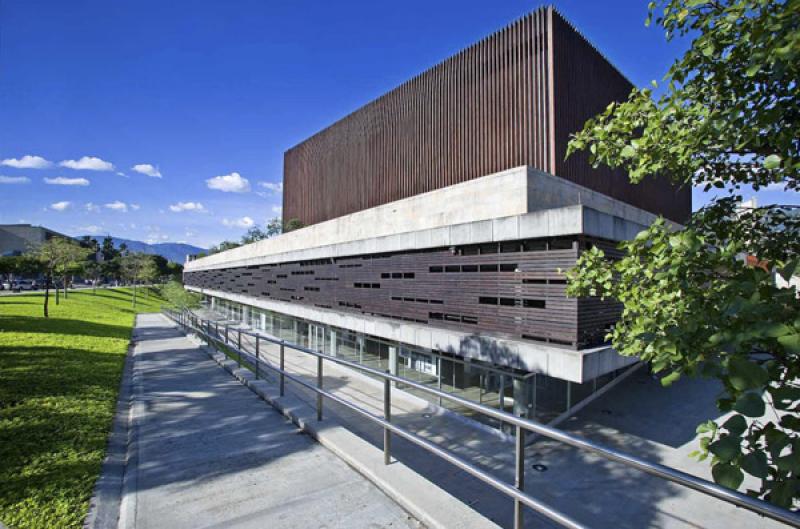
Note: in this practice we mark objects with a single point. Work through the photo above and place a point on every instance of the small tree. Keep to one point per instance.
(292, 224)
(254, 234)
(180, 298)
(52, 255)
(136, 267)
(71, 258)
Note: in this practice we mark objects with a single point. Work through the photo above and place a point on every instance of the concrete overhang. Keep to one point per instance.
(523, 203)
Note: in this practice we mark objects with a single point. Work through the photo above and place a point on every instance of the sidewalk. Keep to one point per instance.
(206, 452)
(639, 417)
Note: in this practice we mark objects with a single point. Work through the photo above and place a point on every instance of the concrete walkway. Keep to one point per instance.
(206, 452)
(639, 417)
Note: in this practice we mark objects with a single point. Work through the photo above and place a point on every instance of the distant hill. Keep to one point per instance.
(171, 251)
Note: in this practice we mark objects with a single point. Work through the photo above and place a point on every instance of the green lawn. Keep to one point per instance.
(58, 387)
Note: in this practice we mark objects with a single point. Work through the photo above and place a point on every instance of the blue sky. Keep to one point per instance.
(209, 94)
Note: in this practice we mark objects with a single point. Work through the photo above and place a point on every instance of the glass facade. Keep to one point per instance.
(533, 395)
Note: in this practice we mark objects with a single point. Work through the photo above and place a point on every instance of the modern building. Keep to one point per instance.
(440, 219)
(16, 239)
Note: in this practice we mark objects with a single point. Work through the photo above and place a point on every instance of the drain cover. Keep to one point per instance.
(427, 415)
(538, 467)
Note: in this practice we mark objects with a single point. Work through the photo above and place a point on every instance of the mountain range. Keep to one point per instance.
(171, 251)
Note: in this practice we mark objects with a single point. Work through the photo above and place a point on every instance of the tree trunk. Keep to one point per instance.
(58, 290)
(134, 294)
(65, 287)
(46, 295)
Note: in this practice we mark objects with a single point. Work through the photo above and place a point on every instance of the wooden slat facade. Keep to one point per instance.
(510, 100)
(511, 289)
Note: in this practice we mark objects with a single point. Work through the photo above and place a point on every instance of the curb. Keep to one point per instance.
(428, 503)
(104, 505)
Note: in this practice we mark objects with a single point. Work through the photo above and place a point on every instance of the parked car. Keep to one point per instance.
(26, 284)
(8, 285)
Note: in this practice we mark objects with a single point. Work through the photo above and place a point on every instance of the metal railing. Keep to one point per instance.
(202, 327)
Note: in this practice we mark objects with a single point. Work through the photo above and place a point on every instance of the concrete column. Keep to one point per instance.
(393, 361)
(246, 314)
(263, 321)
(522, 396)
(213, 302)
(333, 343)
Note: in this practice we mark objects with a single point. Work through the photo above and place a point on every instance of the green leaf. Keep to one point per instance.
(628, 152)
(783, 492)
(726, 448)
(670, 379)
(754, 68)
(745, 375)
(755, 464)
(727, 475)
(705, 427)
(790, 342)
(736, 425)
(750, 404)
(773, 161)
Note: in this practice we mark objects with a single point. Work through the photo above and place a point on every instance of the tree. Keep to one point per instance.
(292, 224)
(110, 257)
(179, 297)
(55, 255)
(135, 267)
(254, 234)
(728, 118)
(149, 272)
(71, 258)
(224, 245)
(92, 268)
(274, 227)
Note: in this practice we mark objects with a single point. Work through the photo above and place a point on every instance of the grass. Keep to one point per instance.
(59, 379)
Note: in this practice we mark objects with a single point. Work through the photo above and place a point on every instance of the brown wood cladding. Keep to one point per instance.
(512, 289)
(510, 100)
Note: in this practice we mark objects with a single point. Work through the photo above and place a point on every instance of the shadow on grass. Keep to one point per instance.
(56, 406)
(28, 324)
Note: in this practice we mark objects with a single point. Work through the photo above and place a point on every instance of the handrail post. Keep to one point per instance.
(283, 378)
(226, 333)
(239, 347)
(319, 386)
(519, 478)
(387, 414)
(256, 357)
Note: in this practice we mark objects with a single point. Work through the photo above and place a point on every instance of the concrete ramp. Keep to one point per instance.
(206, 452)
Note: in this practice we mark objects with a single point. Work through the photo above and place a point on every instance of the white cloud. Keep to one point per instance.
(92, 229)
(146, 169)
(61, 206)
(230, 183)
(277, 210)
(27, 162)
(94, 208)
(135, 207)
(120, 173)
(117, 206)
(88, 163)
(271, 186)
(244, 222)
(187, 206)
(14, 180)
(61, 181)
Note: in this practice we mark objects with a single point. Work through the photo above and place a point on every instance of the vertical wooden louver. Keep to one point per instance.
(510, 100)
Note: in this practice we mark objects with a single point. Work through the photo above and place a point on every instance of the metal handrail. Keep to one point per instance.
(190, 320)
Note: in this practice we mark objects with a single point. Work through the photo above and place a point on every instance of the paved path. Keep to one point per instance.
(207, 452)
(638, 417)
